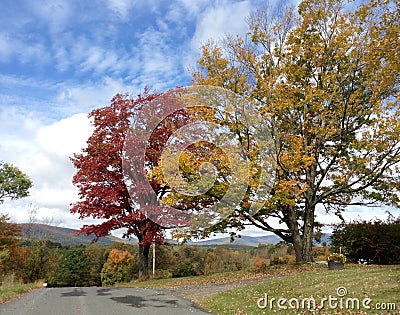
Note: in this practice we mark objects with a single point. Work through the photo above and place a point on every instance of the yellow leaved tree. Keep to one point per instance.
(328, 80)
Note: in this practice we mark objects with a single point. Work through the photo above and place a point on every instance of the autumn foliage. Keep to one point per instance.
(328, 79)
(11, 252)
(119, 267)
(100, 178)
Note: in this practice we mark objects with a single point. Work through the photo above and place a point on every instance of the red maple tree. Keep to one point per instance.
(114, 172)
(100, 179)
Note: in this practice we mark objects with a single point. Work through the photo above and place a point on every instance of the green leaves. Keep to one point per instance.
(374, 241)
(14, 184)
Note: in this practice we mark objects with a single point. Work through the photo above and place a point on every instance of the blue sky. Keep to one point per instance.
(55, 51)
(59, 59)
(65, 57)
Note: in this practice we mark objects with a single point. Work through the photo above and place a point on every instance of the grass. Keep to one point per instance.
(10, 288)
(381, 284)
(223, 277)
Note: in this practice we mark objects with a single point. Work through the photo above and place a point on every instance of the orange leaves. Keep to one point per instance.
(119, 267)
(118, 259)
(289, 191)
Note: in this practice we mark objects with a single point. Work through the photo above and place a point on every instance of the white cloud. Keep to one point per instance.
(214, 22)
(23, 51)
(5, 47)
(56, 13)
(121, 7)
(92, 95)
(88, 56)
(219, 20)
(65, 136)
(42, 151)
(355, 213)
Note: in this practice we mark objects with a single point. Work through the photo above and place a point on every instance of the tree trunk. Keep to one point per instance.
(308, 233)
(303, 248)
(144, 251)
(302, 242)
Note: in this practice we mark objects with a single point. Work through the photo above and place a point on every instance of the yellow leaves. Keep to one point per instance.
(298, 155)
(118, 259)
(329, 85)
(287, 191)
(219, 69)
(181, 234)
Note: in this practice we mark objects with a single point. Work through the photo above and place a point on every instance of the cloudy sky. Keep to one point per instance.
(59, 59)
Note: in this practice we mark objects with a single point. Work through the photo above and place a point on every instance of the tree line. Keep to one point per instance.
(100, 265)
(375, 241)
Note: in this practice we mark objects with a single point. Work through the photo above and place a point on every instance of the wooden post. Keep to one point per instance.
(154, 259)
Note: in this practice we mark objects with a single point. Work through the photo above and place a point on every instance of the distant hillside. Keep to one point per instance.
(65, 236)
(250, 241)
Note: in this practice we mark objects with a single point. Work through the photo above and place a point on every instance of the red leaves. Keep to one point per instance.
(99, 175)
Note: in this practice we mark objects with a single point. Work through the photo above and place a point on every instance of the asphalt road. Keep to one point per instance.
(99, 301)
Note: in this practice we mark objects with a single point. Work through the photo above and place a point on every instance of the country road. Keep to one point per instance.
(99, 301)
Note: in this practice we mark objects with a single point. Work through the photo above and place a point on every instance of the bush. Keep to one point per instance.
(280, 260)
(336, 257)
(119, 267)
(375, 241)
(260, 264)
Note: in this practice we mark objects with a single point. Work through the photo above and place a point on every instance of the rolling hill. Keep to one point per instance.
(67, 236)
(64, 236)
(249, 241)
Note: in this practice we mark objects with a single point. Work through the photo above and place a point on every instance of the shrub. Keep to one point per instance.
(119, 267)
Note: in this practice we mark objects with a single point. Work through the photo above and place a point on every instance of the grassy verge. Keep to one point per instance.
(8, 292)
(381, 284)
(224, 277)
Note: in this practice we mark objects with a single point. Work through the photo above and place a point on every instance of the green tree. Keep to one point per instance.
(328, 79)
(41, 260)
(376, 241)
(191, 261)
(96, 257)
(14, 184)
(72, 269)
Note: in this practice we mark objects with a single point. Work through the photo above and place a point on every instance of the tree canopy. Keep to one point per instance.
(328, 79)
(9, 244)
(14, 184)
(376, 241)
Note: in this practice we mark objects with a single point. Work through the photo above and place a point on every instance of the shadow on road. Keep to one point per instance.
(103, 292)
(75, 292)
(138, 301)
